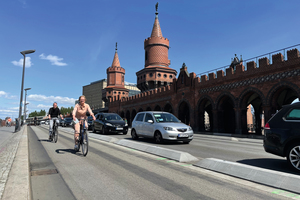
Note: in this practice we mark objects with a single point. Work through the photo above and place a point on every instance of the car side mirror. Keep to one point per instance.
(150, 121)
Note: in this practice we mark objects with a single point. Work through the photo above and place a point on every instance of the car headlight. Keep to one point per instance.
(169, 128)
(190, 129)
(108, 124)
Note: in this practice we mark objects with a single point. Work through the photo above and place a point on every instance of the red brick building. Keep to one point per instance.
(224, 95)
(115, 81)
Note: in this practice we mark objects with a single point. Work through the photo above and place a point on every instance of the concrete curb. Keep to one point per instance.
(18, 182)
(232, 135)
(271, 178)
(167, 153)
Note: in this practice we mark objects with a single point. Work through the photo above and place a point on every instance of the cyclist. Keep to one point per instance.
(79, 112)
(53, 115)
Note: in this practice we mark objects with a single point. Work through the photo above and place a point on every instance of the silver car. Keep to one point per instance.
(160, 126)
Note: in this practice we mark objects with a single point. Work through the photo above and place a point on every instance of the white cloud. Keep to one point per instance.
(6, 95)
(19, 63)
(53, 59)
(52, 99)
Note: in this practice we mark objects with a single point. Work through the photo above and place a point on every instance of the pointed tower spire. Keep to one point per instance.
(116, 62)
(156, 31)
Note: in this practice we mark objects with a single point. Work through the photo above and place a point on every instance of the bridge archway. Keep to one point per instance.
(205, 114)
(133, 113)
(128, 117)
(251, 119)
(168, 108)
(184, 112)
(157, 108)
(122, 114)
(226, 114)
(281, 94)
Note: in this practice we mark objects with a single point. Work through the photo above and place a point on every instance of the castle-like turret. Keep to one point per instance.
(157, 72)
(115, 81)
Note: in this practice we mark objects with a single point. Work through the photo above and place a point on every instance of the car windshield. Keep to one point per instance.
(112, 117)
(68, 119)
(165, 117)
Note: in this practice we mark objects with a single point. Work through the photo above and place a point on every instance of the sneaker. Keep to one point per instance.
(50, 137)
(76, 147)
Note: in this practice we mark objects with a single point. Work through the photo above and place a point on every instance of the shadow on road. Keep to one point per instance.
(62, 151)
(279, 165)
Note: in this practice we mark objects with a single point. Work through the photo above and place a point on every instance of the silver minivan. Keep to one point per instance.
(160, 126)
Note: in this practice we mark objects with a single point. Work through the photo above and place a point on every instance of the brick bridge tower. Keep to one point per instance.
(157, 72)
(115, 81)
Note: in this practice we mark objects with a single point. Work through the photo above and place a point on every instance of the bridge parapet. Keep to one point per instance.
(252, 69)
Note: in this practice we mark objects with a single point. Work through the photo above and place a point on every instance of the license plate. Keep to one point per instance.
(183, 135)
(119, 128)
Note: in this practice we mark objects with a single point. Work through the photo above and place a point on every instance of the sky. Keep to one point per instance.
(74, 41)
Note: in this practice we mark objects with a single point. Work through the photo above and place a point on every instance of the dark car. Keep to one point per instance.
(90, 122)
(68, 121)
(61, 122)
(109, 122)
(282, 134)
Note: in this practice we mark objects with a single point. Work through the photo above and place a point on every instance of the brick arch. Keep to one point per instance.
(168, 107)
(245, 117)
(133, 113)
(220, 97)
(225, 113)
(127, 116)
(273, 96)
(246, 91)
(277, 86)
(200, 116)
(122, 114)
(157, 108)
(184, 114)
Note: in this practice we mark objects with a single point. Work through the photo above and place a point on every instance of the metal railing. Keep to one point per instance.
(283, 51)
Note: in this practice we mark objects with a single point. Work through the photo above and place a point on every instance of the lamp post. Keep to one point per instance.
(25, 111)
(17, 128)
(25, 104)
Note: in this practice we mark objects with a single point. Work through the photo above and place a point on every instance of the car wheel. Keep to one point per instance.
(93, 129)
(103, 130)
(293, 155)
(158, 138)
(186, 142)
(125, 132)
(134, 135)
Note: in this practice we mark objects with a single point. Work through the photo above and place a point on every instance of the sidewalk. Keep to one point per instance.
(14, 165)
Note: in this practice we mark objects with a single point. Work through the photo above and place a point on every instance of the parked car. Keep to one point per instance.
(62, 122)
(90, 122)
(68, 121)
(109, 122)
(160, 126)
(282, 134)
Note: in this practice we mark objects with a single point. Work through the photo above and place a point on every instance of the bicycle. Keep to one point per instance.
(83, 138)
(54, 134)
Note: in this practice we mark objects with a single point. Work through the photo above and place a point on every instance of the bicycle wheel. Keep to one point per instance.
(85, 143)
(55, 135)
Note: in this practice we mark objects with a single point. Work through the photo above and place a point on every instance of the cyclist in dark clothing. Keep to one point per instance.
(53, 115)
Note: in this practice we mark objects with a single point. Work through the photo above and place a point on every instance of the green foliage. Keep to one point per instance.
(43, 112)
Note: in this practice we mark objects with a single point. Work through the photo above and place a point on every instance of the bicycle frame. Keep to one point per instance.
(83, 138)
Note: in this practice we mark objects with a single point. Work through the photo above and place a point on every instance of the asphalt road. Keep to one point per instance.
(110, 171)
(241, 150)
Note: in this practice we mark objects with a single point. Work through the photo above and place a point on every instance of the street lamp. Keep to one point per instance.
(25, 103)
(17, 128)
